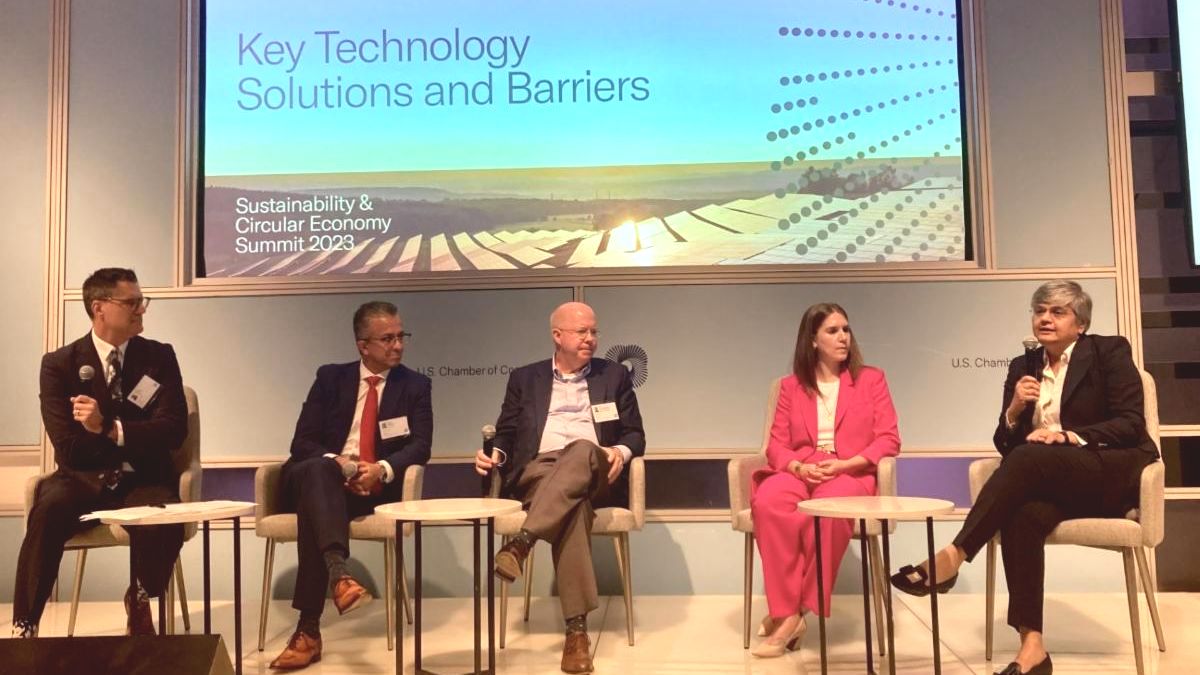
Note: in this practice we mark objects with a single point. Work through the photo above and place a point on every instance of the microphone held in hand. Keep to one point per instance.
(1033, 365)
(489, 436)
(86, 373)
(350, 469)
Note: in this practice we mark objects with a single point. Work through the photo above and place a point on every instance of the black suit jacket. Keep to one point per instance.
(527, 404)
(1103, 400)
(152, 433)
(328, 411)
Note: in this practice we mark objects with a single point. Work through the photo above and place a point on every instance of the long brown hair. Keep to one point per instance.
(804, 363)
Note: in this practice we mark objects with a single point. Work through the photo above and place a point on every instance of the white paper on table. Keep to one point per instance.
(132, 513)
(126, 514)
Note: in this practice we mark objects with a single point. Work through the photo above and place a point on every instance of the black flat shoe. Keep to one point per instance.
(920, 588)
(1046, 667)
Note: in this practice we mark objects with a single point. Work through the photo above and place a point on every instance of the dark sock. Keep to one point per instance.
(526, 537)
(335, 562)
(310, 624)
(577, 624)
(139, 594)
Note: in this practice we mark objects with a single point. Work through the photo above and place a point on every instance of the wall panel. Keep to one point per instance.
(121, 168)
(1049, 134)
(24, 91)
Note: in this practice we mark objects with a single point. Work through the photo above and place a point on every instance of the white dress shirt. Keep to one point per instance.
(570, 414)
(1047, 412)
(351, 446)
(104, 349)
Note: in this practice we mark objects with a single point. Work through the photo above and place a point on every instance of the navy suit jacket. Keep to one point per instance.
(328, 411)
(1103, 401)
(152, 433)
(527, 404)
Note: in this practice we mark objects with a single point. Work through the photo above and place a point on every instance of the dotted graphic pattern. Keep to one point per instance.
(911, 137)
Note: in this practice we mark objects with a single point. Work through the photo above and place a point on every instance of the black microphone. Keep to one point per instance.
(489, 435)
(86, 373)
(1033, 365)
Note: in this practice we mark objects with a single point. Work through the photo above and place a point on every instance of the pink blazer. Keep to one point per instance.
(864, 422)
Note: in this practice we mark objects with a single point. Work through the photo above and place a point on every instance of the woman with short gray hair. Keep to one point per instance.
(1073, 437)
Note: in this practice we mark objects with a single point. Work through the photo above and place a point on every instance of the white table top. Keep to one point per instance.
(876, 508)
(172, 514)
(459, 508)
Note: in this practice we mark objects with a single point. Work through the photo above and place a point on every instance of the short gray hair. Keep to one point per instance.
(1065, 292)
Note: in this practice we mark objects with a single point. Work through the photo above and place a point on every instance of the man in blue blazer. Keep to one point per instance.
(113, 406)
(567, 430)
(363, 424)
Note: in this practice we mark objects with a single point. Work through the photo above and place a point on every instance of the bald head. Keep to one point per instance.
(573, 327)
(569, 312)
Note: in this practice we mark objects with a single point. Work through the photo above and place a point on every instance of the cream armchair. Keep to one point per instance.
(275, 526)
(1140, 530)
(612, 521)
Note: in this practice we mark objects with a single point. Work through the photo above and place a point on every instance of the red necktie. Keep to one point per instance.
(366, 426)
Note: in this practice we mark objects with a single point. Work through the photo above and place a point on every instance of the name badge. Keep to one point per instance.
(605, 412)
(397, 426)
(144, 392)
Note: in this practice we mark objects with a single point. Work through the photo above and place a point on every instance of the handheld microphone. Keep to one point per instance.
(489, 435)
(350, 469)
(1033, 365)
(86, 373)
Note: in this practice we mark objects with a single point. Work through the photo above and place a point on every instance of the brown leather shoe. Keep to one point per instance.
(577, 653)
(510, 559)
(349, 595)
(138, 619)
(302, 649)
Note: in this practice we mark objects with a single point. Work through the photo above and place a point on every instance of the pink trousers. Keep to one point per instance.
(785, 539)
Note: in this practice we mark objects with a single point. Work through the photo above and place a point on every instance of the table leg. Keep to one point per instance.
(478, 583)
(417, 595)
(133, 580)
(162, 611)
(491, 590)
(933, 602)
(207, 587)
(820, 591)
(866, 580)
(398, 610)
(887, 599)
(237, 594)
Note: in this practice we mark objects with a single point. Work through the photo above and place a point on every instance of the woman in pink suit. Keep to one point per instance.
(833, 424)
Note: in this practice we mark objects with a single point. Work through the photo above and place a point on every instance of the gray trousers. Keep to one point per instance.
(558, 489)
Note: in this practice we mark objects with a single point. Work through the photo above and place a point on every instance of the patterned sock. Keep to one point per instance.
(526, 537)
(577, 624)
(335, 562)
(310, 624)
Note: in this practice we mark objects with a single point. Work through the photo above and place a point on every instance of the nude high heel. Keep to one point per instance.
(770, 650)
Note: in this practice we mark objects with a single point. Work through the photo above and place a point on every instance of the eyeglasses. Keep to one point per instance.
(582, 333)
(132, 304)
(390, 339)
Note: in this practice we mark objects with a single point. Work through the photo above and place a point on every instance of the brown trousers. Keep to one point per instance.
(558, 488)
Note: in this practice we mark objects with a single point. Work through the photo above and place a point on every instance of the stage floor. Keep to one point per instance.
(1086, 633)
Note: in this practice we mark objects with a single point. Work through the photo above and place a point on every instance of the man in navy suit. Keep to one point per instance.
(113, 406)
(363, 424)
(568, 428)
